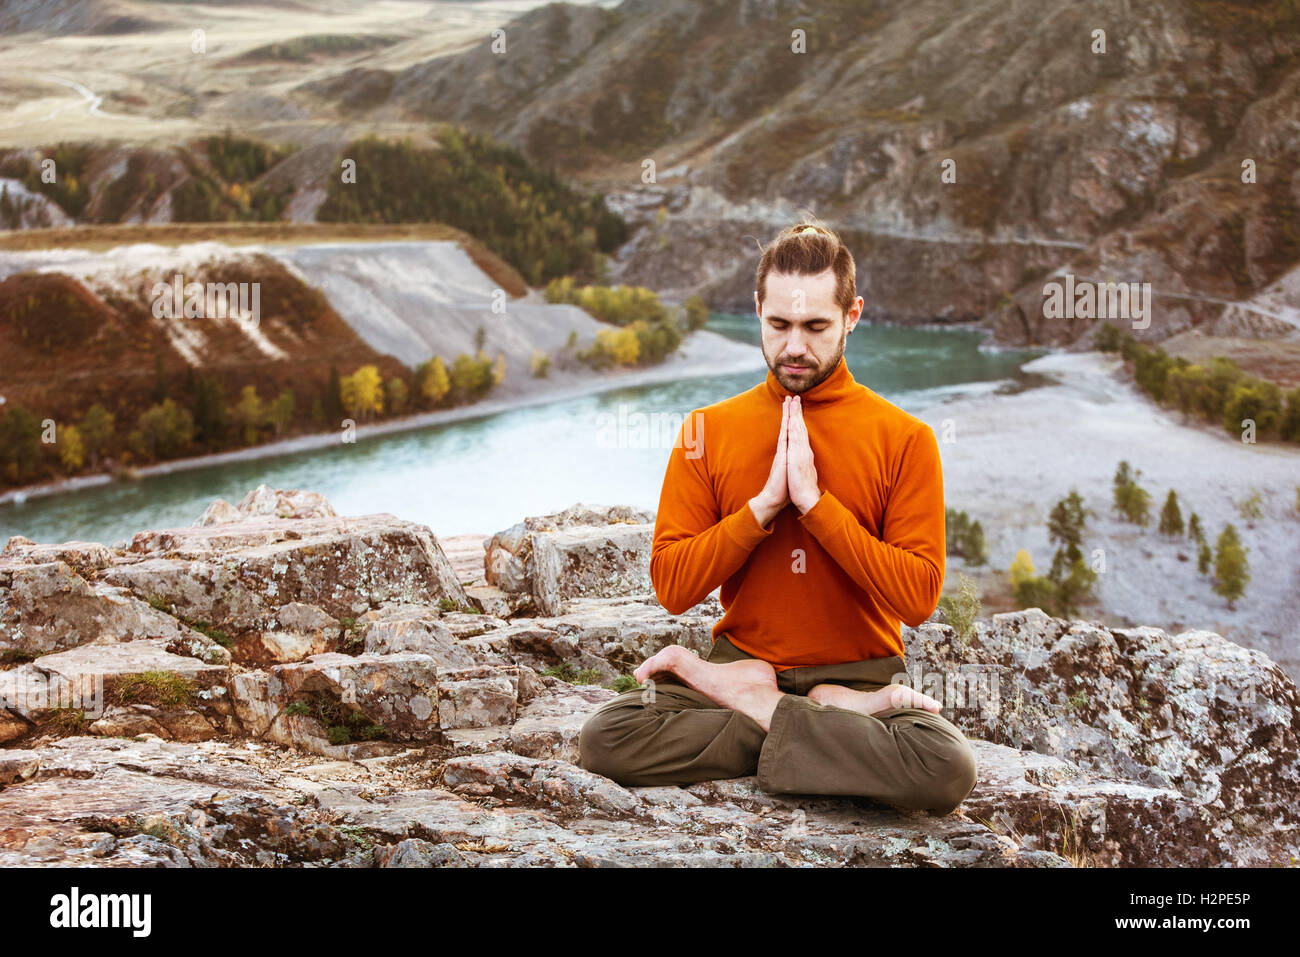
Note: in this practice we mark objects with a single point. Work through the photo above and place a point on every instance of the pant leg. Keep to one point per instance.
(907, 757)
(668, 733)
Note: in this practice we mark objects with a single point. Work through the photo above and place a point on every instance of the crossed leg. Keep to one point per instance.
(700, 720)
(749, 686)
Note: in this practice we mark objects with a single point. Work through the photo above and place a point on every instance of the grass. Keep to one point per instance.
(451, 604)
(162, 689)
(64, 721)
(566, 671)
(342, 724)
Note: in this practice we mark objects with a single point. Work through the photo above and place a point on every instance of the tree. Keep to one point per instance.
(280, 412)
(480, 338)
(209, 411)
(432, 380)
(1022, 569)
(395, 395)
(362, 392)
(334, 396)
(163, 430)
(1171, 516)
(96, 432)
(470, 377)
(72, 452)
(20, 439)
(249, 413)
(499, 369)
(1131, 500)
(974, 547)
(1065, 527)
(1230, 565)
(539, 364)
(1194, 528)
(697, 313)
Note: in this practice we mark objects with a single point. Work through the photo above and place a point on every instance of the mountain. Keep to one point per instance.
(1122, 165)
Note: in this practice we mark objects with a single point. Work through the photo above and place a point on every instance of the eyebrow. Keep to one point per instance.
(813, 319)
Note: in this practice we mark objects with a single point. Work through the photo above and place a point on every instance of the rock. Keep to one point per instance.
(298, 631)
(556, 782)
(480, 697)
(417, 628)
(48, 607)
(414, 852)
(1193, 712)
(510, 562)
(236, 577)
(84, 558)
(264, 500)
(398, 692)
(440, 744)
(11, 725)
(17, 766)
(601, 560)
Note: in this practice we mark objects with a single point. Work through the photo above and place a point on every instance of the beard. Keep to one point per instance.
(804, 380)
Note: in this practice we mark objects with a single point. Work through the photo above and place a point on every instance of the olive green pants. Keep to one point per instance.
(673, 734)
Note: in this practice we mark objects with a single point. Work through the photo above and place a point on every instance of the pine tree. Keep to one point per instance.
(1230, 565)
(1171, 517)
(1194, 529)
(334, 396)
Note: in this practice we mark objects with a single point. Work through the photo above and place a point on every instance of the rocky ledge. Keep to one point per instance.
(279, 685)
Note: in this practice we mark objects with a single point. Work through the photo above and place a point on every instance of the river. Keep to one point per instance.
(485, 474)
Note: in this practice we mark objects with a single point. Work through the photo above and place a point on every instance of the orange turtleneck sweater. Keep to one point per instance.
(830, 585)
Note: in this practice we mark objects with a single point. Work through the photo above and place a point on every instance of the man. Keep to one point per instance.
(817, 506)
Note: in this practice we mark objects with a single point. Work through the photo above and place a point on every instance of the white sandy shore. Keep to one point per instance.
(702, 353)
(1015, 456)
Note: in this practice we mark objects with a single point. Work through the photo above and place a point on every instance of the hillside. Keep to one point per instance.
(1123, 165)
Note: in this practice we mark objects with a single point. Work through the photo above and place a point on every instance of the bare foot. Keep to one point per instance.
(748, 686)
(873, 702)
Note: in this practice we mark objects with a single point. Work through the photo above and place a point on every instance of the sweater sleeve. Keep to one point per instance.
(695, 549)
(904, 570)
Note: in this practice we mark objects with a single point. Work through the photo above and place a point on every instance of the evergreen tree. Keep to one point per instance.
(1230, 565)
(1194, 528)
(1203, 557)
(1131, 500)
(334, 397)
(1171, 517)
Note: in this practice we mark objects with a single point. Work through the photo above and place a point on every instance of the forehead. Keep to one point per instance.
(818, 293)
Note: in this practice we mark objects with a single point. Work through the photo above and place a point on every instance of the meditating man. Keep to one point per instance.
(817, 506)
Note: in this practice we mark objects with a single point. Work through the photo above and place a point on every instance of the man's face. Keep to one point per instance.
(803, 329)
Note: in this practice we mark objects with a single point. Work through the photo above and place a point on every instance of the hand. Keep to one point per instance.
(801, 477)
(775, 494)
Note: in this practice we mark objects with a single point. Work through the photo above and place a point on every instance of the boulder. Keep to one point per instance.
(236, 577)
(510, 564)
(264, 500)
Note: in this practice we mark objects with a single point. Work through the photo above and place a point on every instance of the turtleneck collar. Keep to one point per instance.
(839, 384)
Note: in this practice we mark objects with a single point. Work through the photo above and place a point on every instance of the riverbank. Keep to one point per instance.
(1013, 456)
(702, 353)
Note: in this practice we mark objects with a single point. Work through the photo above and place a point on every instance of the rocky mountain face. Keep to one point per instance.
(282, 685)
(1123, 165)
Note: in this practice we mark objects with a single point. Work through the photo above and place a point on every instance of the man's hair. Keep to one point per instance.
(809, 249)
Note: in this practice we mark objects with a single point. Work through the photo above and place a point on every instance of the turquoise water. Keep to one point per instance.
(485, 474)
